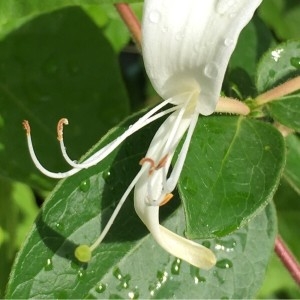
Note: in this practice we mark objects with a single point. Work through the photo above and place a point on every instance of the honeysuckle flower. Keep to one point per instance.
(186, 48)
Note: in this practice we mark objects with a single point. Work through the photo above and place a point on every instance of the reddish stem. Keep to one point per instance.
(131, 21)
(287, 259)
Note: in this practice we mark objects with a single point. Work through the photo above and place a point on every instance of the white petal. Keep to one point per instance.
(187, 44)
(182, 248)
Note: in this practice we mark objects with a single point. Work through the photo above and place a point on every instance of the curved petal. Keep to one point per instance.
(176, 245)
(187, 44)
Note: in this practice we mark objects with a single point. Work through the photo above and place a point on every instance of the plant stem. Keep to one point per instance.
(131, 21)
(276, 93)
(287, 259)
(232, 106)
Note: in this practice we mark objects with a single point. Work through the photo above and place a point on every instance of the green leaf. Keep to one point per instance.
(52, 68)
(15, 13)
(128, 263)
(278, 65)
(287, 111)
(282, 16)
(231, 172)
(254, 40)
(292, 168)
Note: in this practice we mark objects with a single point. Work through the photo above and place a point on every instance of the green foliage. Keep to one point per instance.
(60, 59)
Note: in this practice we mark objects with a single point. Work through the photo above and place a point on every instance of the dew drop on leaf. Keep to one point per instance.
(100, 288)
(134, 294)
(295, 62)
(117, 273)
(206, 244)
(195, 273)
(81, 274)
(106, 175)
(85, 185)
(175, 267)
(225, 245)
(224, 264)
(59, 226)
(162, 276)
(48, 266)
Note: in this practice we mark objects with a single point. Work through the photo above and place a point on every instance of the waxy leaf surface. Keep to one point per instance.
(129, 263)
(231, 172)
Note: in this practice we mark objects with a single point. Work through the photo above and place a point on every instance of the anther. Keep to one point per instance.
(60, 127)
(166, 199)
(154, 167)
(26, 126)
(150, 161)
(162, 162)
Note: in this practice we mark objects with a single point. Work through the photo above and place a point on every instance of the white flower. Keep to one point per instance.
(186, 48)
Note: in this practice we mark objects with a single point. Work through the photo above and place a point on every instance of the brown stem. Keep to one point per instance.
(287, 259)
(279, 91)
(131, 21)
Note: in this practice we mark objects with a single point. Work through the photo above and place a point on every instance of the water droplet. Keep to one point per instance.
(2, 147)
(49, 265)
(59, 226)
(85, 185)
(224, 264)
(228, 42)
(206, 244)
(162, 276)
(154, 16)
(50, 67)
(81, 274)
(175, 267)
(295, 62)
(105, 175)
(195, 273)
(225, 245)
(100, 288)
(117, 273)
(211, 70)
(267, 148)
(134, 294)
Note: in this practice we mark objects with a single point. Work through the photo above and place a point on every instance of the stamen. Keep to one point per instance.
(26, 126)
(102, 153)
(36, 161)
(162, 162)
(60, 127)
(116, 211)
(154, 167)
(166, 199)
